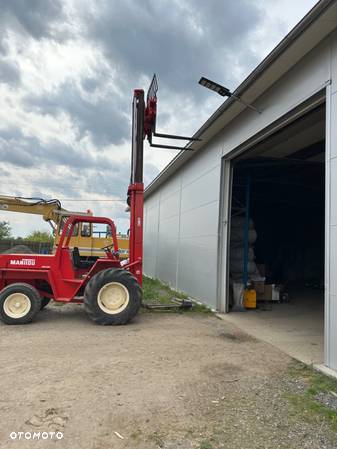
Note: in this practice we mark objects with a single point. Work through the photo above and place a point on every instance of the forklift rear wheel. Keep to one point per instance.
(112, 296)
(19, 303)
(44, 302)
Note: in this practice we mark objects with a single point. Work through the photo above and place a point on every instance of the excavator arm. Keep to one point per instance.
(50, 210)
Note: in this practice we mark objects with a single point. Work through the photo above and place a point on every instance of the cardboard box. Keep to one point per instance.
(271, 293)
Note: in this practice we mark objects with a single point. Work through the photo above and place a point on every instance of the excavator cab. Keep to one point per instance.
(90, 238)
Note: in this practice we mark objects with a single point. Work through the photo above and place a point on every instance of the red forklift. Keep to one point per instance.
(111, 292)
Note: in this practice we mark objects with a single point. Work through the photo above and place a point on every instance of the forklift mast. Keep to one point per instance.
(144, 114)
(136, 187)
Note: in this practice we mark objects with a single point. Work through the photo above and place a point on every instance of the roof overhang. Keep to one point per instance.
(307, 34)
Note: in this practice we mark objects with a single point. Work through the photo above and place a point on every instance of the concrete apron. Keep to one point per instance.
(296, 328)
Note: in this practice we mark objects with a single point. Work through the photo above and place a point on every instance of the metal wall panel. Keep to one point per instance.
(333, 130)
(201, 221)
(200, 191)
(333, 247)
(170, 187)
(202, 162)
(333, 188)
(331, 215)
(161, 231)
(168, 232)
(187, 223)
(197, 259)
(308, 77)
(167, 261)
(334, 62)
(151, 220)
(331, 361)
(198, 268)
(169, 205)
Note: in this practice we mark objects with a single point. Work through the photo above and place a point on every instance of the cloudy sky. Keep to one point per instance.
(67, 72)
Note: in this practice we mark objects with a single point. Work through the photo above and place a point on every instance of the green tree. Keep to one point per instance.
(5, 230)
(40, 236)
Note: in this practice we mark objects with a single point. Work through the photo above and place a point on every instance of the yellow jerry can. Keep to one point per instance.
(249, 298)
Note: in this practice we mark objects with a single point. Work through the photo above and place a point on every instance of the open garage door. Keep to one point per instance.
(276, 235)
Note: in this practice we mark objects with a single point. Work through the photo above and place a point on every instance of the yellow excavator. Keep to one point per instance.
(88, 240)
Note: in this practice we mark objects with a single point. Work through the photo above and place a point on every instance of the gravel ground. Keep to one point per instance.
(327, 399)
(164, 381)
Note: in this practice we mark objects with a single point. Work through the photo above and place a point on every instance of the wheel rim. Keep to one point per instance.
(17, 305)
(113, 298)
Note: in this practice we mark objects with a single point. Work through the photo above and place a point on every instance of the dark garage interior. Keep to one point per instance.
(287, 209)
(280, 186)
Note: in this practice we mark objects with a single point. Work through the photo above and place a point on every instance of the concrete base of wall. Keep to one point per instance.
(297, 328)
(327, 371)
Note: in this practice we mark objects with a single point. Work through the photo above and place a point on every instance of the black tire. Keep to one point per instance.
(44, 302)
(93, 293)
(32, 296)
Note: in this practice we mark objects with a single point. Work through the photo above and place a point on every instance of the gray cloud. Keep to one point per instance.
(9, 73)
(82, 173)
(3, 43)
(26, 151)
(104, 119)
(36, 17)
(115, 182)
(91, 84)
(179, 41)
(4, 173)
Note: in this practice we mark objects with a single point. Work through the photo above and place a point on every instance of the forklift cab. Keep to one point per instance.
(71, 225)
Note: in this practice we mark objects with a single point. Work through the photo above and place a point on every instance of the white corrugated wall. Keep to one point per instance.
(181, 227)
(331, 216)
(182, 215)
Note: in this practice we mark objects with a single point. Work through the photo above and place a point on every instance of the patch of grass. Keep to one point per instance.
(201, 308)
(313, 411)
(305, 402)
(155, 292)
(318, 382)
(157, 438)
(206, 444)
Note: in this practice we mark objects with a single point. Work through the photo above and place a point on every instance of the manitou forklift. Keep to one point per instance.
(85, 238)
(111, 292)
